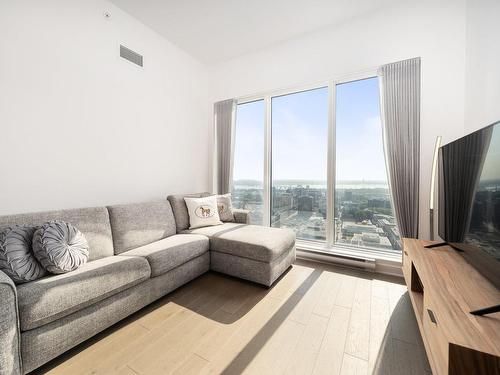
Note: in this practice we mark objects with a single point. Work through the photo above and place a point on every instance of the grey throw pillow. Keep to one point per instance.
(16, 257)
(60, 247)
(225, 206)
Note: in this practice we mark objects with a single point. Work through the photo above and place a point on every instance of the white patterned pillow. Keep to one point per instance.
(16, 257)
(202, 212)
(225, 207)
(60, 247)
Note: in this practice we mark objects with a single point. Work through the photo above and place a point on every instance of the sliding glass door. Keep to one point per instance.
(313, 161)
(299, 146)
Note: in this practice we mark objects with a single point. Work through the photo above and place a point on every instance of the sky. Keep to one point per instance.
(299, 135)
(491, 166)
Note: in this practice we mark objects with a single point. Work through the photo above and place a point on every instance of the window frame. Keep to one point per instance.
(329, 245)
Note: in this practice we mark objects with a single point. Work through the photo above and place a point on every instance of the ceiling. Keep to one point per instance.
(213, 31)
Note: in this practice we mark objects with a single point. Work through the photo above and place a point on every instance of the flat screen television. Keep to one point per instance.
(469, 199)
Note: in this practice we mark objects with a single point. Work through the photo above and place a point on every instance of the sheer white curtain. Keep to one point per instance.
(400, 106)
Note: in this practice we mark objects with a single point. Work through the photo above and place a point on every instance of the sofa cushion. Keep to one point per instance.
(202, 212)
(249, 241)
(138, 224)
(50, 298)
(16, 255)
(171, 252)
(180, 209)
(93, 222)
(60, 247)
(225, 206)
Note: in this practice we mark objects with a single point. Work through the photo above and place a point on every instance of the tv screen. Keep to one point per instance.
(469, 199)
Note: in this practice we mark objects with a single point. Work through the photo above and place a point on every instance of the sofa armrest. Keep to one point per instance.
(241, 216)
(10, 336)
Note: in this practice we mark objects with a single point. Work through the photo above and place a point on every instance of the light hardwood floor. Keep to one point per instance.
(317, 319)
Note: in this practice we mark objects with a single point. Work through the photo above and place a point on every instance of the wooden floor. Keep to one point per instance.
(318, 319)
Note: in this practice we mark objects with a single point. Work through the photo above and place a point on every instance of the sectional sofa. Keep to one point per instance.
(138, 253)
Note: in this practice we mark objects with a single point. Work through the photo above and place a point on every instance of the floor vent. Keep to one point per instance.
(130, 55)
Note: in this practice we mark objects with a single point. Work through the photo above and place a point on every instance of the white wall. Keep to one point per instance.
(435, 31)
(79, 126)
(482, 85)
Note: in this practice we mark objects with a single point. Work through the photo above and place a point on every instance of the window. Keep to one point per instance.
(248, 167)
(313, 161)
(299, 162)
(363, 212)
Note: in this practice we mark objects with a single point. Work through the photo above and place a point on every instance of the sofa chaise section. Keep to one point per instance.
(251, 252)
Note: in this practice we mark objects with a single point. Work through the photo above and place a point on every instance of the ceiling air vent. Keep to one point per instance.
(130, 55)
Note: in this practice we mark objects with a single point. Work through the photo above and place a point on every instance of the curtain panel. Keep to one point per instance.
(224, 117)
(400, 108)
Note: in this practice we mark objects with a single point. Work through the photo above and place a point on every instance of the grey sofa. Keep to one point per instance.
(138, 253)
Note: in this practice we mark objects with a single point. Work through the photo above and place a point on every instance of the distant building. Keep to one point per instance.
(394, 237)
(383, 220)
(379, 203)
(305, 203)
(350, 229)
(370, 240)
(388, 224)
(282, 200)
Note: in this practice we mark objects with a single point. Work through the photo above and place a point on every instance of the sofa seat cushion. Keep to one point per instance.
(47, 299)
(171, 252)
(248, 241)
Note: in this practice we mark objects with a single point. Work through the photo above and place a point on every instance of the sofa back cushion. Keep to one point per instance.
(180, 209)
(93, 222)
(139, 224)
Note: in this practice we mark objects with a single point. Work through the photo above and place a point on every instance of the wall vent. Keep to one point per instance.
(130, 55)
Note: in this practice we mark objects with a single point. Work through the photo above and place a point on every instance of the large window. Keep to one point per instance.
(363, 212)
(313, 161)
(248, 167)
(299, 162)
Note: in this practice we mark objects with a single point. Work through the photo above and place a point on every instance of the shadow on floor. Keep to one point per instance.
(248, 353)
(402, 350)
(236, 296)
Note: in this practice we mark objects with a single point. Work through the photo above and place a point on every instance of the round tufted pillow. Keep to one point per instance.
(60, 247)
(16, 258)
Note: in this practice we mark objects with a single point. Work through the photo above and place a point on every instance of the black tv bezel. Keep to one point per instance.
(484, 263)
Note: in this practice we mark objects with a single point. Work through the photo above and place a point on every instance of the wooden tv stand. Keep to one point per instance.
(443, 289)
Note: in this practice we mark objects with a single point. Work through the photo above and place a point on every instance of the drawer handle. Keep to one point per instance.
(405, 252)
(431, 316)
